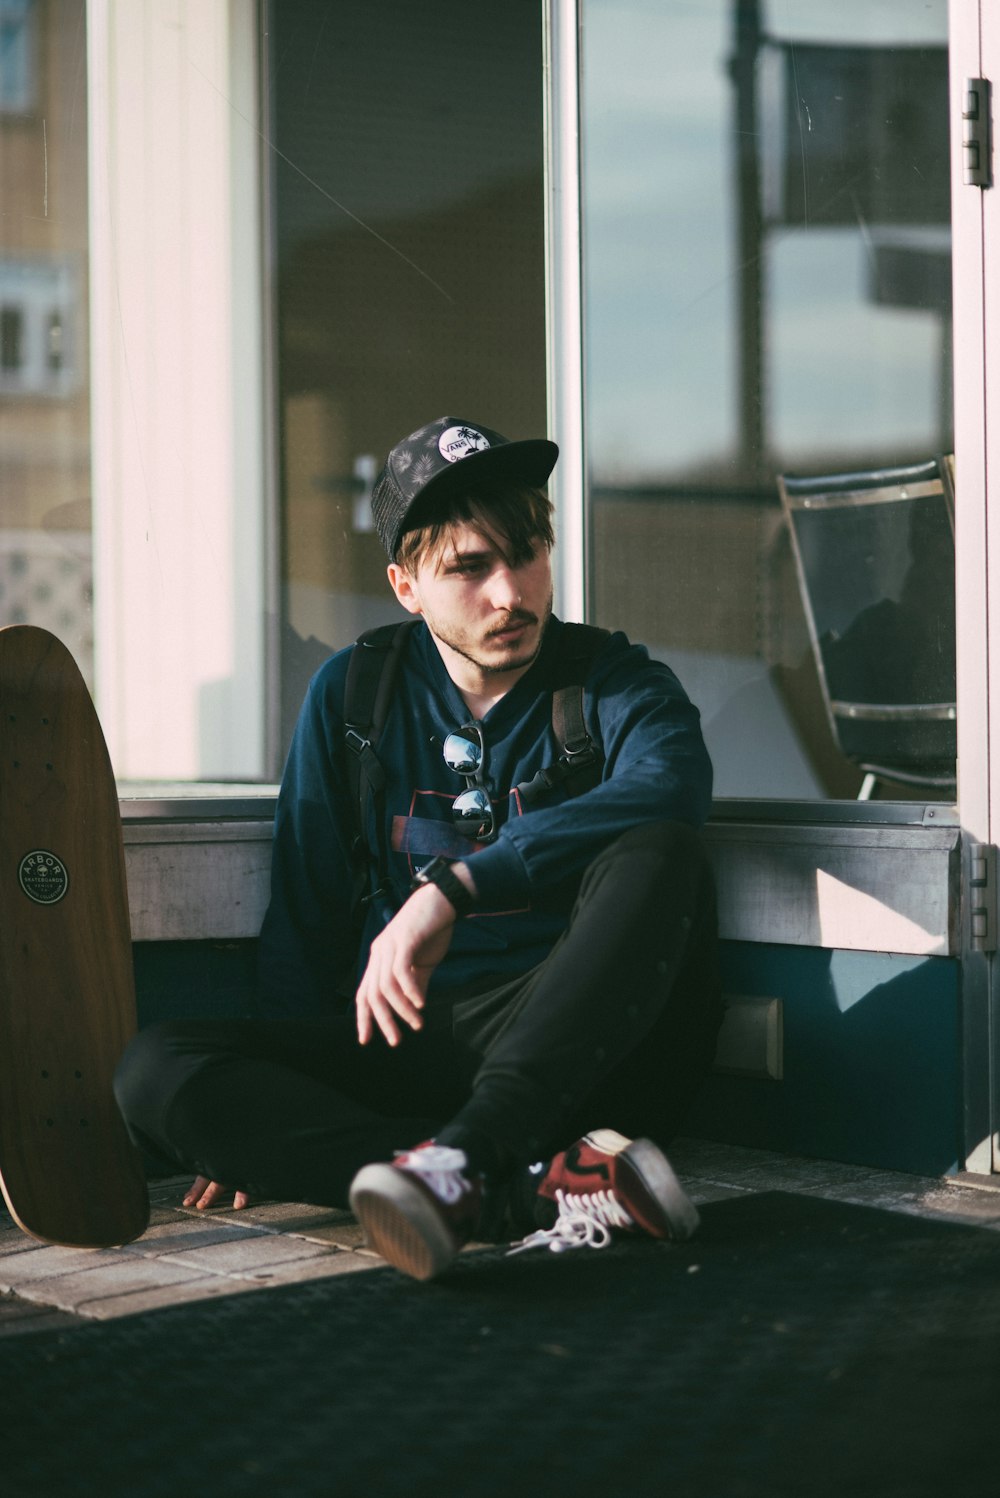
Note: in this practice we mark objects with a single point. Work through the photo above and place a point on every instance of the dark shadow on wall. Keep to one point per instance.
(187, 979)
(874, 1083)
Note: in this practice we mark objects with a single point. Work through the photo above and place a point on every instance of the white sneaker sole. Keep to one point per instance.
(401, 1222)
(665, 1201)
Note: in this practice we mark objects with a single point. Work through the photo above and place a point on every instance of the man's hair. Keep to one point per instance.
(514, 516)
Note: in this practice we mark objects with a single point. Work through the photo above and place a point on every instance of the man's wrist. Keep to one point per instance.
(440, 873)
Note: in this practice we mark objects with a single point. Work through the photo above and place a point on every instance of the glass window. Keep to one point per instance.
(379, 170)
(11, 331)
(19, 55)
(407, 171)
(131, 422)
(45, 507)
(767, 292)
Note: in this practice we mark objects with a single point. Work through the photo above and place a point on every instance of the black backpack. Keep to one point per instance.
(371, 677)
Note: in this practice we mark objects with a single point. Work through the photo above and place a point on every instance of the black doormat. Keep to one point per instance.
(796, 1347)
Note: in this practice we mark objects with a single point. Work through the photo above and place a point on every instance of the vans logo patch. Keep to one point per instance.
(459, 442)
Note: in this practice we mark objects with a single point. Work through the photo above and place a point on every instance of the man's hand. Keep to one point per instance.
(402, 959)
(205, 1193)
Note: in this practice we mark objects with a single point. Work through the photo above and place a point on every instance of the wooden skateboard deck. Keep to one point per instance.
(69, 1172)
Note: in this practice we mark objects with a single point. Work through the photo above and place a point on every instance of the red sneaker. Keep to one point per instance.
(605, 1183)
(420, 1210)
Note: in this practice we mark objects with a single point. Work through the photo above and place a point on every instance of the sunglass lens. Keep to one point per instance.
(463, 751)
(473, 814)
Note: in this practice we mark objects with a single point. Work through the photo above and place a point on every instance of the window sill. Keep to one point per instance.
(875, 876)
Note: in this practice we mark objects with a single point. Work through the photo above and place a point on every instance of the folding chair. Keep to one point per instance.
(875, 555)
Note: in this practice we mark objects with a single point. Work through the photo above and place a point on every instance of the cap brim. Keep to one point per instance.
(531, 461)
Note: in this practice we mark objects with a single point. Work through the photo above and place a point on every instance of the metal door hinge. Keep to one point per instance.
(983, 896)
(977, 145)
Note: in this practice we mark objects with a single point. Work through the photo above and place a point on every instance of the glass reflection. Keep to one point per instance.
(875, 557)
(463, 751)
(409, 230)
(472, 814)
(767, 291)
(45, 502)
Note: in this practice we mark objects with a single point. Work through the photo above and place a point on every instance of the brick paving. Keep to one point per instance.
(188, 1256)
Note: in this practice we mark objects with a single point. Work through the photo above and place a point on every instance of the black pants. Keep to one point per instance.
(615, 1029)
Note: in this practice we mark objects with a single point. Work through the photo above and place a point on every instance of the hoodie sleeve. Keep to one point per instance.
(308, 948)
(656, 769)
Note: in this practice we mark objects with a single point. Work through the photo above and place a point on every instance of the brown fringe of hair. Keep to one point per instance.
(513, 516)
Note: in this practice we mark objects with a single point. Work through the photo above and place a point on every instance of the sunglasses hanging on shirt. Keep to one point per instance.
(472, 811)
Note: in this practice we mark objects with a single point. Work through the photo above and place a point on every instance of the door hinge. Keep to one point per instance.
(983, 897)
(977, 144)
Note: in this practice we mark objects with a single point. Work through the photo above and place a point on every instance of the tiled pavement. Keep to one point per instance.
(187, 1256)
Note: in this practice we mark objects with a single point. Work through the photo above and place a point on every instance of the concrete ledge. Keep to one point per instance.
(849, 888)
(197, 881)
(854, 887)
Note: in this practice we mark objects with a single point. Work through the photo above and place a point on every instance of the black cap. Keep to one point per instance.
(432, 462)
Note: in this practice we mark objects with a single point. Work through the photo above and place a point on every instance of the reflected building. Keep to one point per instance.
(45, 510)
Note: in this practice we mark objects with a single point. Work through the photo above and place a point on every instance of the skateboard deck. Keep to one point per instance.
(69, 1172)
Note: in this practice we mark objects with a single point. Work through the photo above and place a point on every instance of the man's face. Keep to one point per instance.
(486, 608)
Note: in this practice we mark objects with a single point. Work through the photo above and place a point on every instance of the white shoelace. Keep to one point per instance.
(442, 1169)
(583, 1222)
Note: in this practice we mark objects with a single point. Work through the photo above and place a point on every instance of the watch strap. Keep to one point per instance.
(439, 873)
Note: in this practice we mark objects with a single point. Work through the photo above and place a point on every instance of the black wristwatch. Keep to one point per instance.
(439, 872)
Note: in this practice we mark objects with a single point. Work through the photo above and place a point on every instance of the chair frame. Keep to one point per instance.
(842, 491)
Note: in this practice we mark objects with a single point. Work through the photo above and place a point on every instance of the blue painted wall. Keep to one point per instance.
(871, 1046)
(872, 1060)
(178, 979)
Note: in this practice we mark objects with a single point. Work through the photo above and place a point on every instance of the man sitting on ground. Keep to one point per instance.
(503, 940)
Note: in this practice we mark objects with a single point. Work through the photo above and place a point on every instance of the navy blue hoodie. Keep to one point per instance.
(656, 768)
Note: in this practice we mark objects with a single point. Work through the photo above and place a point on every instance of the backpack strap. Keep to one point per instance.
(371, 676)
(579, 766)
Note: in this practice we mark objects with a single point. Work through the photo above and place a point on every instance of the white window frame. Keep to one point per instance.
(177, 388)
(564, 303)
(974, 45)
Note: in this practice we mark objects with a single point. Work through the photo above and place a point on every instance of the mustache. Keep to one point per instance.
(516, 616)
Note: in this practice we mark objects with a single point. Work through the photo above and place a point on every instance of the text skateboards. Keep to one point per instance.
(69, 1172)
